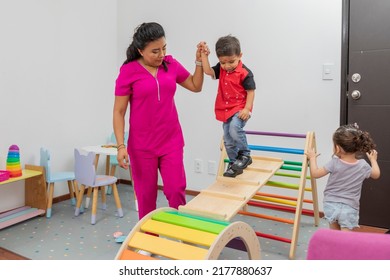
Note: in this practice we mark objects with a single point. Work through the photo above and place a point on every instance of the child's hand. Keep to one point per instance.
(203, 48)
(311, 154)
(372, 155)
(206, 50)
(244, 114)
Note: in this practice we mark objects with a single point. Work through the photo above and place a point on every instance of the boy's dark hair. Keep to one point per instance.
(227, 46)
(351, 139)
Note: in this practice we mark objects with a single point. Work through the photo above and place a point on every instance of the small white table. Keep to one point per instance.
(107, 150)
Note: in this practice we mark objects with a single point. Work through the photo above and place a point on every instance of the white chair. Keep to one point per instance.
(86, 177)
(53, 177)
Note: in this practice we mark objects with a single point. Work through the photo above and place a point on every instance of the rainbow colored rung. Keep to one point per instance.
(169, 234)
(276, 149)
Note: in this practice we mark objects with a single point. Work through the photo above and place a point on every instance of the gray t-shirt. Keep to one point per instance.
(345, 181)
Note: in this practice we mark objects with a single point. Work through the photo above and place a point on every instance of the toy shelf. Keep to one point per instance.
(35, 197)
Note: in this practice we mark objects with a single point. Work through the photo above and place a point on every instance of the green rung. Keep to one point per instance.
(282, 185)
(289, 175)
(180, 220)
(200, 218)
(285, 185)
(292, 162)
(286, 167)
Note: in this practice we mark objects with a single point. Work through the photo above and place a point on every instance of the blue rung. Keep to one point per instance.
(276, 149)
(280, 134)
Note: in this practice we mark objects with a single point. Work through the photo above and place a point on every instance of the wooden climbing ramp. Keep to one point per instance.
(202, 228)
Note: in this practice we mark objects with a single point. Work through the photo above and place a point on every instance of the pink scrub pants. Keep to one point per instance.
(145, 167)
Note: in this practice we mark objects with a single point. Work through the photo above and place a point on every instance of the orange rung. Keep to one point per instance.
(131, 255)
(262, 216)
(307, 212)
(283, 197)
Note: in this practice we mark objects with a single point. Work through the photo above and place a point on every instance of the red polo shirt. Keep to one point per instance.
(232, 87)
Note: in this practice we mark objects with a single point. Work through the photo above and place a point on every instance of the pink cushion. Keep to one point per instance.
(327, 244)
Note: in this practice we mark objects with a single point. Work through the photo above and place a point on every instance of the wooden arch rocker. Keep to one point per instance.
(201, 228)
(168, 234)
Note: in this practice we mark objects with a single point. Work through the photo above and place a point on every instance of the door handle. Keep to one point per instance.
(356, 94)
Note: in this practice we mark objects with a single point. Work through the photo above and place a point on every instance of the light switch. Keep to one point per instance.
(328, 71)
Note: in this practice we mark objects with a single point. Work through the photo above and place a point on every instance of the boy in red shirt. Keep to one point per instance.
(234, 101)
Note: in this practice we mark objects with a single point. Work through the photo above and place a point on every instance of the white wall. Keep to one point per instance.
(59, 60)
(285, 43)
(57, 71)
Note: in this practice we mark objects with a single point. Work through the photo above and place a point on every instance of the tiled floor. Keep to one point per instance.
(65, 237)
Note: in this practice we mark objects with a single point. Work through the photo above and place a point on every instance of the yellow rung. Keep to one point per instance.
(166, 248)
(181, 233)
(276, 200)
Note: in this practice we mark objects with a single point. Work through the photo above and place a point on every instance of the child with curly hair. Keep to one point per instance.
(347, 170)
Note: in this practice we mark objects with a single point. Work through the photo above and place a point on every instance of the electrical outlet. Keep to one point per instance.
(212, 167)
(198, 165)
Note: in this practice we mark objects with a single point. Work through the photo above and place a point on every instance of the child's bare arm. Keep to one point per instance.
(245, 113)
(205, 60)
(375, 170)
(315, 171)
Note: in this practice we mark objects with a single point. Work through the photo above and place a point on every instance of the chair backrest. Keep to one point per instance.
(45, 162)
(113, 159)
(84, 168)
(328, 244)
(113, 139)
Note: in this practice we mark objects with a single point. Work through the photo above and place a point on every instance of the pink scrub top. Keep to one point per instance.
(154, 121)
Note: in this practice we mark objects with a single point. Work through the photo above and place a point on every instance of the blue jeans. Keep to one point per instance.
(235, 138)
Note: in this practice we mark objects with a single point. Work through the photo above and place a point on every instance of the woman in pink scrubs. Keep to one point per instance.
(147, 82)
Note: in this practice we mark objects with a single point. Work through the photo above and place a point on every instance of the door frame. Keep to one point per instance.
(344, 62)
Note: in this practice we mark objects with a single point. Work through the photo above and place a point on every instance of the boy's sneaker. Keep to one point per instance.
(241, 162)
(230, 172)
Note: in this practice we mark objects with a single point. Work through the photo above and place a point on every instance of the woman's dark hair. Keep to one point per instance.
(143, 35)
(227, 46)
(353, 140)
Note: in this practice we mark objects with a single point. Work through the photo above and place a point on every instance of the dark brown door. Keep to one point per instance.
(368, 96)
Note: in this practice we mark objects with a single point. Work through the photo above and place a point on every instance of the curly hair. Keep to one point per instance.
(353, 140)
